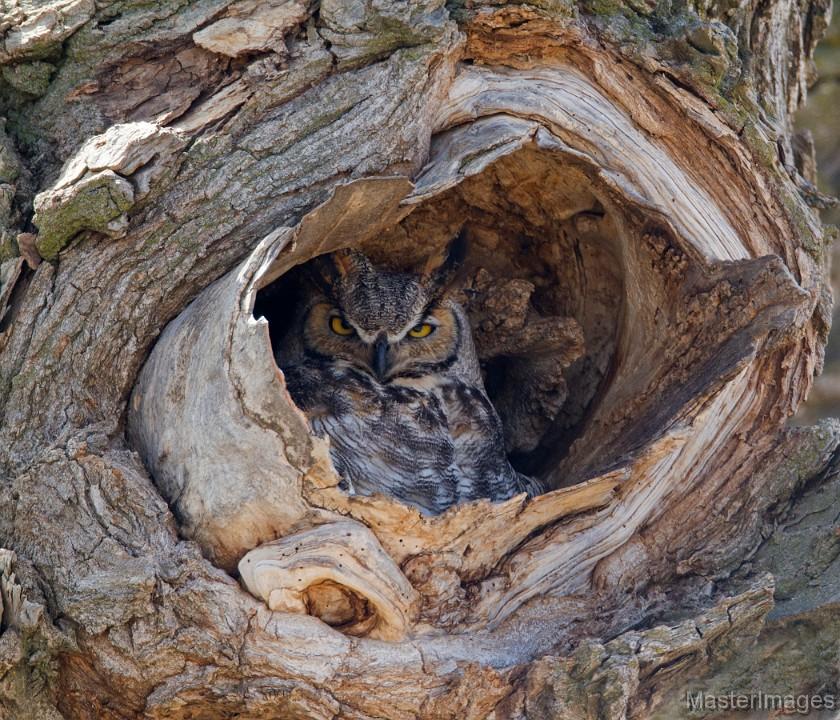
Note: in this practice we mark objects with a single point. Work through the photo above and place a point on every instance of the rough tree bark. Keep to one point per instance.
(633, 189)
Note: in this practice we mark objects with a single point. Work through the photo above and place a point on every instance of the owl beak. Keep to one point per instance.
(380, 357)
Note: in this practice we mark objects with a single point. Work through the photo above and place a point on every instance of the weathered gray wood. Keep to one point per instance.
(191, 152)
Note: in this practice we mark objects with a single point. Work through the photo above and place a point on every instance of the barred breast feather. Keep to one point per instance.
(432, 447)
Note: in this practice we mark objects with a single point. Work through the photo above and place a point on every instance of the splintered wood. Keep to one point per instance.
(648, 291)
(653, 408)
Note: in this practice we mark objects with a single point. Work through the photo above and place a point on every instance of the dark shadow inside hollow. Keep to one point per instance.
(542, 285)
(277, 303)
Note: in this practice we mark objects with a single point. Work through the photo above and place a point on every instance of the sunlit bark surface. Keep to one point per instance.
(645, 259)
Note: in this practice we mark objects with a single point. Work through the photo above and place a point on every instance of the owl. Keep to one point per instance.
(383, 364)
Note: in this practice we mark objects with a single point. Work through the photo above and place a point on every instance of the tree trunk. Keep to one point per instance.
(646, 272)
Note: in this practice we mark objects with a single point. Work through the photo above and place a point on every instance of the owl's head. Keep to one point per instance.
(391, 325)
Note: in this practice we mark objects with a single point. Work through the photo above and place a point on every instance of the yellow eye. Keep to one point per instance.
(339, 327)
(421, 330)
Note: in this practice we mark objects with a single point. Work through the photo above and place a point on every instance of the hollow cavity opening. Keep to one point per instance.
(542, 285)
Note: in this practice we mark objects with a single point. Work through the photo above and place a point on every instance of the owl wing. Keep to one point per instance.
(483, 467)
(383, 439)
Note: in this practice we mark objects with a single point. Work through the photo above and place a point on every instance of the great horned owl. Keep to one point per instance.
(383, 364)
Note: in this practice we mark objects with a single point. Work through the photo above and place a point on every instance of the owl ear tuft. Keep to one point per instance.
(349, 261)
(327, 270)
(441, 269)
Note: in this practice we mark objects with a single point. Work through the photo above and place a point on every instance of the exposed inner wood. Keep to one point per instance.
(601, 596)
(584, 226)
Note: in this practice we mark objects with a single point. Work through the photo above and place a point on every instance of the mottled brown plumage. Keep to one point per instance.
(383, 364)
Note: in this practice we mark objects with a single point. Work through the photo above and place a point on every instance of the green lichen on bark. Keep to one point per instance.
(360, 32)
(97, 203)
(14, 185)
(32, 78)
(9, 160)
